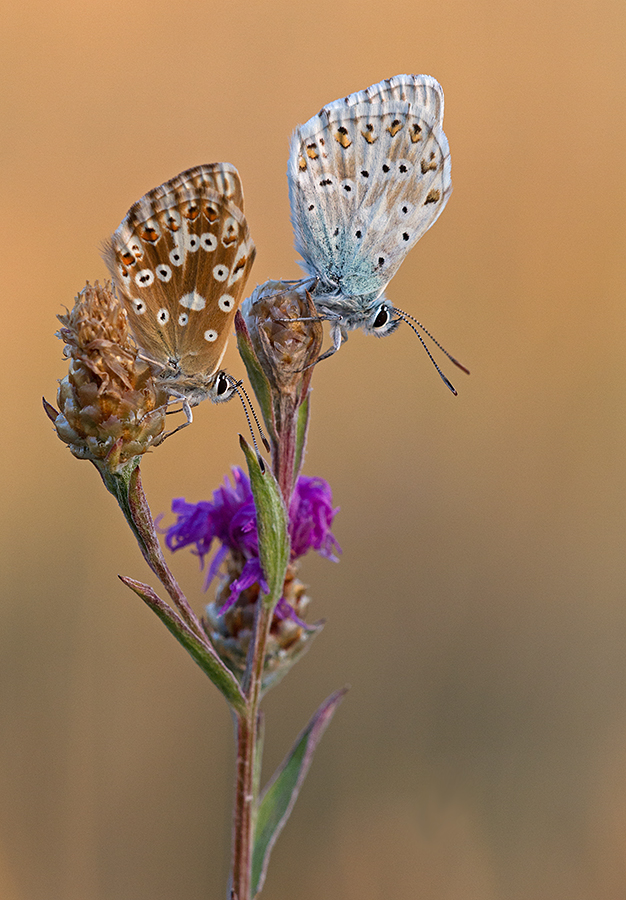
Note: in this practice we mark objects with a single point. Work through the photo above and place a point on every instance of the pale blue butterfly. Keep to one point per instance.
(368, 176)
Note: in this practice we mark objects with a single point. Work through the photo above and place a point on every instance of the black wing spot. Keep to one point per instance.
(365, 173)
(311, 207)
(347, 187)
(403, 168)
(359, 234)
(385, 168)
(405, 236)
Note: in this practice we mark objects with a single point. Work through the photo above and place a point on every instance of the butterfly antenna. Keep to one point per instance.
(239, 389)
(406, 317)
(265, 441)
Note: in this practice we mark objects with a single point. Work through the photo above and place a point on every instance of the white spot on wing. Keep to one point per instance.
(226, 303)
(144, 278)
(210, 335)
(193, 300)
(176, 256)
(192, 242)
(208, 241)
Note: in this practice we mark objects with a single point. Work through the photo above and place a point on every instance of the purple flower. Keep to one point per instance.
(230, 517)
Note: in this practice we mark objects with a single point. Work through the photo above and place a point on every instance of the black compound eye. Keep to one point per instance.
(381, 319)
(221, 385)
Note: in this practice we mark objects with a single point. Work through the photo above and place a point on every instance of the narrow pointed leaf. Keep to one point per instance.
(279, 796)
(272, 525)
(201, 652)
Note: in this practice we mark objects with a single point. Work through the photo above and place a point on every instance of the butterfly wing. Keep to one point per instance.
(180, 260)
(368, 176)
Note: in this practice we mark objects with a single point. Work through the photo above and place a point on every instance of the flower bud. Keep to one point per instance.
(285, 345)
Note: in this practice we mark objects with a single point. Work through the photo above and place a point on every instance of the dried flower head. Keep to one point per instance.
(230, 518)
(110, 409)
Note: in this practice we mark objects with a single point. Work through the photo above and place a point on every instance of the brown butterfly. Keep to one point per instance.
(180, 260)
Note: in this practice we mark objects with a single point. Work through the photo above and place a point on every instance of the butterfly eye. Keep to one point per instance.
(381, 319)
(222, 384)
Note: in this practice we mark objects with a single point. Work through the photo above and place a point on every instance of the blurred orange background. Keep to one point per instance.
(479, 608)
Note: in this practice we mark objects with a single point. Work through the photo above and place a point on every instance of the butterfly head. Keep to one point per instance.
(373, 314)
(380, 320)
(218, 387)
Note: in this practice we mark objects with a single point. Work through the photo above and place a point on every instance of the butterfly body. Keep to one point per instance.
(180, 260)
(368, 176)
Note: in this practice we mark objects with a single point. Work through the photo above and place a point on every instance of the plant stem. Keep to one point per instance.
(246, 787)
(133, 503)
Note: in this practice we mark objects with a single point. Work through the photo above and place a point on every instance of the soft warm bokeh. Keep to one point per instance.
(479, 610)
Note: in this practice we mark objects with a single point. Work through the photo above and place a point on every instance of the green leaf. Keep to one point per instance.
(201, 652)
(279, 796)
(272, 525)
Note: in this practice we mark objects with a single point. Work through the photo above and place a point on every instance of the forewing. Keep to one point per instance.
(367, 179)
(180, 260)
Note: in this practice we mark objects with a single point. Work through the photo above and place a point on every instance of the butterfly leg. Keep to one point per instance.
(175, 397)
(339, 336)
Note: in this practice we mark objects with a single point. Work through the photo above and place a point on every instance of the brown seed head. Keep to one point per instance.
(110, 408)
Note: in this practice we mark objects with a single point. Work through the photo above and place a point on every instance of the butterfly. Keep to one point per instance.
(368, 176)
(180, 260)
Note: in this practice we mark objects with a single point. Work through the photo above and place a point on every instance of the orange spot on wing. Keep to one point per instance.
(149, 234)
(369, 135)
(342, 138)
(191, 211)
